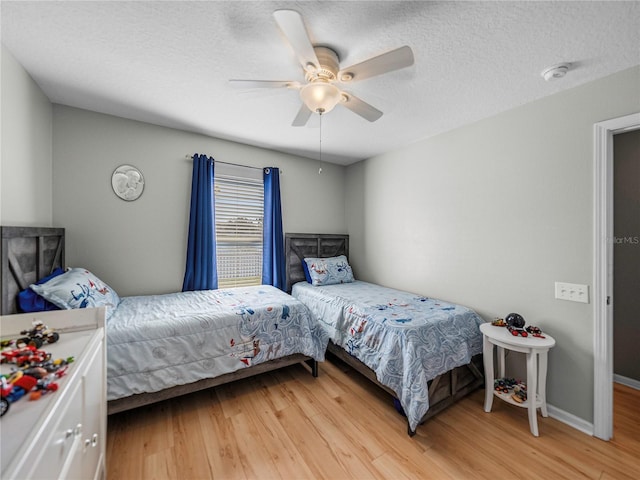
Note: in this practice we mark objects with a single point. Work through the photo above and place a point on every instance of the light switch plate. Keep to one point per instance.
(573, 292)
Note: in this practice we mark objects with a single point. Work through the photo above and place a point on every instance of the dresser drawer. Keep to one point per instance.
(63, 440)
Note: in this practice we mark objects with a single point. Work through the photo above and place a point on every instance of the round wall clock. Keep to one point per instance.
(127, 182)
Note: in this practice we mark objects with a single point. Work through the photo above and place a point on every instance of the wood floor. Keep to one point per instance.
(289, 425)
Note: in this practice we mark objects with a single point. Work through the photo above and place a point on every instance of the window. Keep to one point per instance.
(239, 198)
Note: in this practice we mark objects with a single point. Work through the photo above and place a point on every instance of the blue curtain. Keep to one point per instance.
(201, 270)
(273, 264)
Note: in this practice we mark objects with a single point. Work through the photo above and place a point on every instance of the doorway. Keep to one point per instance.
(603, 270)
(626, 258)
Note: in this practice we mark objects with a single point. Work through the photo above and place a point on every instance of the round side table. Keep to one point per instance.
(536, 350)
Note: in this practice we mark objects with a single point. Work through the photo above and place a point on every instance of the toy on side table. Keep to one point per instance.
(504, 385)
(520, 393)
(535, 331)
(499, 322)
(517, 389)
(515, 325)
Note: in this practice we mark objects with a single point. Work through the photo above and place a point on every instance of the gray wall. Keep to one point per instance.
(626, 255)
(492, 214)
(25, 155)
(139, 247)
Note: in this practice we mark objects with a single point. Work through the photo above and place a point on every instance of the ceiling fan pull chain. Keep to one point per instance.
(320, 169)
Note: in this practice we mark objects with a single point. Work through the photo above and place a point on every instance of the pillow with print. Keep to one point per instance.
(78, 288)
(329, 271)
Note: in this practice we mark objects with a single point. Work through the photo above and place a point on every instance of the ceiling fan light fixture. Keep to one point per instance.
(320, 96)
(321, 67)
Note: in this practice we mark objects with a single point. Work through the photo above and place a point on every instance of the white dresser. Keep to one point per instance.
(63, 434)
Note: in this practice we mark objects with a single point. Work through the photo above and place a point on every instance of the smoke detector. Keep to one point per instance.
(556, 71)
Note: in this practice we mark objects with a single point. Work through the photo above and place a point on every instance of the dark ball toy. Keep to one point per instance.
(514, 320)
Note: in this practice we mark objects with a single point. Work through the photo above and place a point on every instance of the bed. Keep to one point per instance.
(159, 343)
(425, 352)
(162, 346)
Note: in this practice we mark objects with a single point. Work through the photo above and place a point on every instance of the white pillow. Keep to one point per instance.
(329, 271)
(78, 288)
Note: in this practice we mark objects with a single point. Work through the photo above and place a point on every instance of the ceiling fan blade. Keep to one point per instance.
(387, 62)
(292, 25)
(361, 107)
(302, 117)
(264, 84)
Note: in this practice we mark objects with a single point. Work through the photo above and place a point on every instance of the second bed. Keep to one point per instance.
(424, 351)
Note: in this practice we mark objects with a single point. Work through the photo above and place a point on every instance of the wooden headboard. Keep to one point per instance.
(28, 254)
(300, 245)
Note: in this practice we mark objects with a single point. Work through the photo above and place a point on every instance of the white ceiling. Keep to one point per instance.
(168, 63)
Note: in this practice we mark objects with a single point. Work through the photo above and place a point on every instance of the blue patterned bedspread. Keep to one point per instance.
(406, 339)
(159, 341)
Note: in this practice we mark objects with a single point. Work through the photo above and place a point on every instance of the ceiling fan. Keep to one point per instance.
(322, 71)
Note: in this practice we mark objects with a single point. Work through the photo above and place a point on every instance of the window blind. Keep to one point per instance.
(239, 198)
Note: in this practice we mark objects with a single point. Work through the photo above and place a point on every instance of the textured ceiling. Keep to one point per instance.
(169, 63)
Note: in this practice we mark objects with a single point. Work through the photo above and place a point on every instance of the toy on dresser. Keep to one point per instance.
(38, 335)
(33, 372)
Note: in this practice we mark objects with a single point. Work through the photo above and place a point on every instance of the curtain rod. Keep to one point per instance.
(190, 157)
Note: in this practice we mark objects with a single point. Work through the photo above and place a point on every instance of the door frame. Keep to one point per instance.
(603, 271)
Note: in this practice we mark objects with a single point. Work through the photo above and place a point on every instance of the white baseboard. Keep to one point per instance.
(570, 419)
(629, 382)
(579, 423)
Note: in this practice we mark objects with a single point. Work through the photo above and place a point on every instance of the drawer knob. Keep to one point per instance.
(91, 442)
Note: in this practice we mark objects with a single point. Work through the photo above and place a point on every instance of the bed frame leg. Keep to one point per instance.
(314, 367)
(409, 431)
